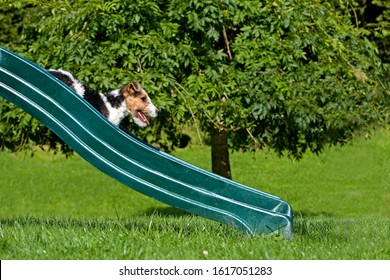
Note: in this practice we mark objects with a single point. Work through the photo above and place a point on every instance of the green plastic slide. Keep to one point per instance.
(133, 162)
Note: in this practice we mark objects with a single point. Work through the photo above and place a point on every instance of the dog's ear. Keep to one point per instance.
(133, 86)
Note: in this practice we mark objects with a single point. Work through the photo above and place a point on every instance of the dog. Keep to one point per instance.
(131, 99)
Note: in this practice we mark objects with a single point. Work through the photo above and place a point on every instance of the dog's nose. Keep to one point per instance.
(156, 111)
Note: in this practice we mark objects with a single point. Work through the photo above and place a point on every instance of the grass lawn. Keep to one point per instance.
(57, 208)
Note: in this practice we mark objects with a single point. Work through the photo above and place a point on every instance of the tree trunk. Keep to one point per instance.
(220, 153)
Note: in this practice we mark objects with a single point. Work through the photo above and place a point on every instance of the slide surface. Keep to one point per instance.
(134, 163)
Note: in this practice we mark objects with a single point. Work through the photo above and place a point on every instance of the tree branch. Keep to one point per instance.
(227, 43)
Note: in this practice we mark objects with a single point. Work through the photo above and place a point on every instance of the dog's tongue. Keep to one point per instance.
(143, 118)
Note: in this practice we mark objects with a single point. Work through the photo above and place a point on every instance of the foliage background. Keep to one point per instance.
(291, 76)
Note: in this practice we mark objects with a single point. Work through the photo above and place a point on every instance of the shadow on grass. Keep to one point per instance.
(308, 214)
(167, 212)
(155, 220)
(322, 227)
(56, 222)
(65, 222)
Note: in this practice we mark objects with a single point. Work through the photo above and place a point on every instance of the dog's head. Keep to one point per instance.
(138, 103)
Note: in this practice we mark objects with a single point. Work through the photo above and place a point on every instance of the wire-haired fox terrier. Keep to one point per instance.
(131, 99)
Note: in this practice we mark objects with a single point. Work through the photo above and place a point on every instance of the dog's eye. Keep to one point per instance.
(144, 99)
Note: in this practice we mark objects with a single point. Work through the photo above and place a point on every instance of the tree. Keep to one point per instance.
(287, 75)
(372, 17)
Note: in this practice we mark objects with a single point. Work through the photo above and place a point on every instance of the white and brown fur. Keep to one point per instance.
(131, 99)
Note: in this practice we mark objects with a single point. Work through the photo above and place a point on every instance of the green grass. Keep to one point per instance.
(57, 208)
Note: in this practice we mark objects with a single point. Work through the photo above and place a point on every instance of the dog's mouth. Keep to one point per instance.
(141, 116)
